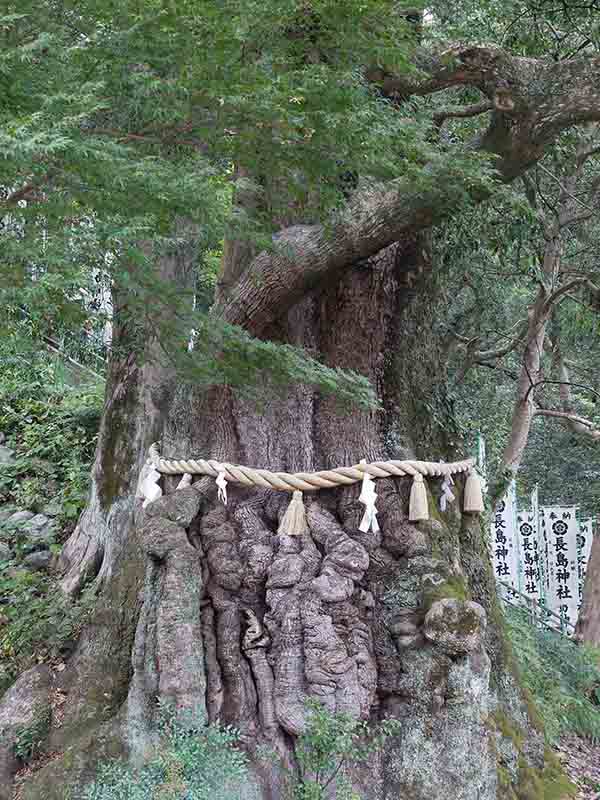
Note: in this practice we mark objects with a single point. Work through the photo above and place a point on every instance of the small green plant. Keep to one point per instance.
(30, 738)
(194, 761)
(330, 745)
(51, 425)
(38, 621)
(562, 677)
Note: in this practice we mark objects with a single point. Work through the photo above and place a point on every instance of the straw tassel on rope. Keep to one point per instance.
(293, 522)
(473, 502)
(418, 506)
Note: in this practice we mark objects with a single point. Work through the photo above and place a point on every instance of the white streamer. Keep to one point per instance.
(221, 482)
(368, 496)
(148, 487)
(448, 495)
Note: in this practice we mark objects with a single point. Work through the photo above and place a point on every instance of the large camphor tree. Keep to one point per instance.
(325, 124)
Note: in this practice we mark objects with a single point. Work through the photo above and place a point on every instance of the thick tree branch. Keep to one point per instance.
(567, 193)
(304, 256)
(565, 289)
(461, 112)
(484, 358)
(488, 365)
(557, 94)
(576, 423)
(491, 355)
(574, 284)
(533, 101)
(534, 385)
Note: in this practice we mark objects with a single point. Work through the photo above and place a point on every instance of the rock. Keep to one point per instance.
(5, 552)
(7, 456)
(37, 522)
(39, 560)
(19, 517)
(53, 509)
(40, 532)
(5, 513)
(26, 705)
(456, 626)
(39, 540)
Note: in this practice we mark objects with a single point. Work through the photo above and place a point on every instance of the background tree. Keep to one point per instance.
(541, 349)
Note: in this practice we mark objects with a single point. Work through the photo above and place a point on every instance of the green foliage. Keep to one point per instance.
(527, 27)
(131, 117)
(194, 761)
(490, 271)
(330, 745)
(563, 678)
(38, 622)
(29, 738)
(51, 424)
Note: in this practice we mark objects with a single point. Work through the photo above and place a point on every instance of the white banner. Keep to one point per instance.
(527, 525)
(559, 530)
(584, 546)
(504, 541)
(542, 553)
(539, 554)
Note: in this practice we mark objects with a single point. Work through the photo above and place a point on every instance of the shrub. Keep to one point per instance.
(563, 678)
(330, 744)
(30, 738)
(38, 622)
(52, 425)
(193, 762)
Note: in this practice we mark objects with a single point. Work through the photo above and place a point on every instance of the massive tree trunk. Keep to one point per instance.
(245, 625)
(103, 553)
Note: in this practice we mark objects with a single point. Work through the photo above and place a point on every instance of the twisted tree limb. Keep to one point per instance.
(533, 101)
